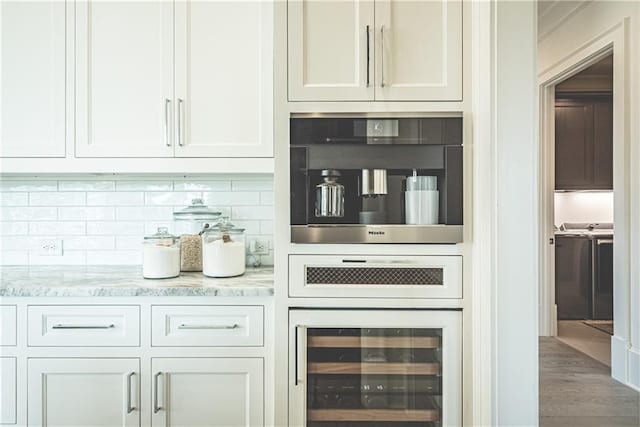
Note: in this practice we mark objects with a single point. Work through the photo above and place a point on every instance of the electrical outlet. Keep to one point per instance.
(257, 247)
(50, 247)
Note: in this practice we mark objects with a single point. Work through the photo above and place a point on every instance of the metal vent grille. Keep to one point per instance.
(374, 276)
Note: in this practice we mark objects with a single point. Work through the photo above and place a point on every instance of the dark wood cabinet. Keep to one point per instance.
(584, 142)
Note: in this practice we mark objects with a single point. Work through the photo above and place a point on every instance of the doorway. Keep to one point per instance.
(583, 202)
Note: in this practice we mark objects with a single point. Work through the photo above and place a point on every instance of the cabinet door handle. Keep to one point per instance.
(180, 142)
(156, 408)
(187, 326)
(382, 82)
(130, 407)
(368, 60)
(167, 141)
(63, 326)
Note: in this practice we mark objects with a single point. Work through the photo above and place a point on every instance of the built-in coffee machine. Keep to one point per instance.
(376, 179)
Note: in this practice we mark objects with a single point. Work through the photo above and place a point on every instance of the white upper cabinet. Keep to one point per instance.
(382, 50)
(419, 50)
(124, 78)
(32, 78)
(330, 53)
(224, 78)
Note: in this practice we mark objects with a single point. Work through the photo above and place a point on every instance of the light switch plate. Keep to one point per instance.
(50, 247)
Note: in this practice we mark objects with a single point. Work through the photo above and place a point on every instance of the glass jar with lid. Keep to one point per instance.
(223, 250)
(161, 255)
(189, 224)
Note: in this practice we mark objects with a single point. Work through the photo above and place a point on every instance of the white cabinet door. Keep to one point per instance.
(8, 390)
(83, 392)
(208, 392)
(330, 55)
(418, 50)
(32, 78)
(124, 78)
(224, 78)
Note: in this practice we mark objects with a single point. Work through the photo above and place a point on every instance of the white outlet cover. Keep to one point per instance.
(50, 247)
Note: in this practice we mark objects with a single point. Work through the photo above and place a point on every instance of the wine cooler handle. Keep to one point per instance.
(297, 331)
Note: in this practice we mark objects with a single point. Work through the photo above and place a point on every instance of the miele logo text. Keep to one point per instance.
(376, 233)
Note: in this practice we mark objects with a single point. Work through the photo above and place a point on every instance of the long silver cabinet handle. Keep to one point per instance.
(382, 82)
(62, 326)
(167, 140)
(368, 57)
(180, 101)
(187, 326)
(156, 408)
(603, 241)
(130, 407)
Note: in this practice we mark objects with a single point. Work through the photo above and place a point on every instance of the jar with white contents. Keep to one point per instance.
(223, 250)
(161, 255)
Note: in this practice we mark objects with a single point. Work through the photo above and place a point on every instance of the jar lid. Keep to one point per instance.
(196, 211)
(225, 226)
(162, 234)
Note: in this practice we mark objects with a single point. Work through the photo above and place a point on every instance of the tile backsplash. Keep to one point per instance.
(583, 207)
(102, 220)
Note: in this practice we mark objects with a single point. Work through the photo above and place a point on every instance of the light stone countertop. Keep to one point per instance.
(126, 281)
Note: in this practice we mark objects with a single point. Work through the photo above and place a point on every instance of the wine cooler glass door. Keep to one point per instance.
(375, 368)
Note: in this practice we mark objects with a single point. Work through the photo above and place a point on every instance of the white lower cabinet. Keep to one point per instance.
(208, 392)
(83, 392)
(8, 390)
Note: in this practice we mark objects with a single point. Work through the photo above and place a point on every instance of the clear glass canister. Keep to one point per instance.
(223, 250)
(189, 224)
(161, 255)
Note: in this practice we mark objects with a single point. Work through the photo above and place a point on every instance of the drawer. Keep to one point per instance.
(373, 276)
(84, 325)
(8, 383)
(207, 326)
(8, 324)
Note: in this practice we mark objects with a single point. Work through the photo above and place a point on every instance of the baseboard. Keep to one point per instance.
(634, 368)
(619, 358)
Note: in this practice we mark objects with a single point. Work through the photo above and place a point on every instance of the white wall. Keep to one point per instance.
(102, 220)
(579, 29)
(583, 207)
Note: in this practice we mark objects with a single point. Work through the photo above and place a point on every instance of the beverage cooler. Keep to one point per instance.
(375, 368)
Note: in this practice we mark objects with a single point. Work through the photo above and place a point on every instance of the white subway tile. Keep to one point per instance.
(114, 257)
(28, 214)
(266, 198)
(261, 185)
(10, 185)
(86, 213)
(267, 259)
(232, 198)
(114, 228)
(88, 242)
(266, 227)
(170, 198)
(128, 243)
(14, 199)
(146, 213)
(202, 185)
(52, 228)
(112, 198)
(250, 227)
(251, 212)
(67, 258)
(144, 185)
(57, 199)
(14, 257)
(14, 228)
(19, 243)
(86, 185)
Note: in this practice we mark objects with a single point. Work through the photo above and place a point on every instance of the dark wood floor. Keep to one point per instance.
(578, 391)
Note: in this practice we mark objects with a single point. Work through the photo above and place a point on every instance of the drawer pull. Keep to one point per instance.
(187, 326)
(130, 407)
(62, 326)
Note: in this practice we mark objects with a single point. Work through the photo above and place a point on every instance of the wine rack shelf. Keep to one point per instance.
(373, 342)
(374, 368)
(424, 415)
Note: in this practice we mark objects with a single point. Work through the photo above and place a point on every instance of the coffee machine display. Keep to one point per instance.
(376, 179)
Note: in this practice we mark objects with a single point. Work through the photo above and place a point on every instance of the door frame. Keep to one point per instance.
(611, 41)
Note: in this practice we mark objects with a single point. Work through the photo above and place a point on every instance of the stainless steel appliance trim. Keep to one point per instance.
(376, 233)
